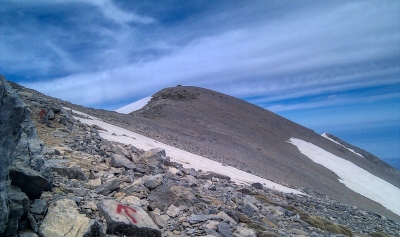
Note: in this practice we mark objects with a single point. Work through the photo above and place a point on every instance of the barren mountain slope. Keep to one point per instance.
(252, 138)
(243, 135)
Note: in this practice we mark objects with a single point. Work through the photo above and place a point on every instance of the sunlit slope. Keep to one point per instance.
(246, 136)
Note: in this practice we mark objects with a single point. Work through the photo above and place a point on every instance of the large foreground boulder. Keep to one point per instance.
(63, 220)
(12, 113)
(127, 220)
(21, 155)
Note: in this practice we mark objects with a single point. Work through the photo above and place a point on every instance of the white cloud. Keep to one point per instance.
(113, 12)
(306, 52)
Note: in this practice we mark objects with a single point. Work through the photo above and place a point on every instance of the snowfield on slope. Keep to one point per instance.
(352, 176)
(134, 106)
(187, 159)
(326, 136)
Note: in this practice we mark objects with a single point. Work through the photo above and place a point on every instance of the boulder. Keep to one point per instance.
(170, 193)
(12, 113)
(29, 152)
(19, 206)
(108, 187)
(63, 219)
(31, 182)
(153, 182)
(119, 161)
(159, 220)
(127, 220)
(154, 157)
(71, 172)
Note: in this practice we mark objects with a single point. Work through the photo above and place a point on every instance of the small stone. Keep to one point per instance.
(173, 211)
(212, 225)
(257, 186)
(212, 187)
(224, 229)
(94, 183)
(38, 207)
(245, 232)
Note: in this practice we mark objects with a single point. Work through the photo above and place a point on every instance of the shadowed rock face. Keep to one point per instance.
(21, 156)
(12, 113)
(251, 138)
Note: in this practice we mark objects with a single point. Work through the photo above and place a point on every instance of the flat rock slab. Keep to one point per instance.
(127, 220)
(64, 220)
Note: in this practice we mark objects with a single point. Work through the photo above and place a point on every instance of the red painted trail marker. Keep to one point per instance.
(127, 210)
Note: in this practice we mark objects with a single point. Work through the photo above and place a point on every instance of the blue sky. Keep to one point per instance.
(333, 66)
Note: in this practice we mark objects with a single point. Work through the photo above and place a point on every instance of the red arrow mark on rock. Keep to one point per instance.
(127, 209)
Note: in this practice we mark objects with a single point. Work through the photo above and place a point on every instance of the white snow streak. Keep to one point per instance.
(326, 136)
(187, 159)
(134, 106)
(354, 177)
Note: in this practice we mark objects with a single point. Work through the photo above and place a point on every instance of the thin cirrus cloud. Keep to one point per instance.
(284, 56)
(260, 55)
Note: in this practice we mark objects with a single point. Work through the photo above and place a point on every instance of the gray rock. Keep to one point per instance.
(245, 232)
(108, 187)
(119, 161)
(194, 219)
(173, 211)
(268, 234)
(12, 113)
(224, 229)
(159, 220)
(19, 206)
(27, 233)
(127, 220)
(63, 219)
(153, 181)
(50, 114)
(170, 193)
(246, 209)
(154, 157)
(72, 172)
(29, 152)
(208, 175)
(38, 207)
(257, 186)
(31, 182)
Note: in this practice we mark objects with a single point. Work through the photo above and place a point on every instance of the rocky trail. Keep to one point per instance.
(84, 185)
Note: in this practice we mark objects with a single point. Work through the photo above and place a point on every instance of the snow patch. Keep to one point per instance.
(352, 176)
(187, 159)
(326, 136)
(134, 106)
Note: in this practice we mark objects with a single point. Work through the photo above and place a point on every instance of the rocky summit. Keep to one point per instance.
(60, 177)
